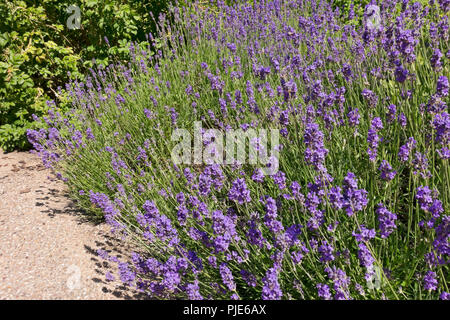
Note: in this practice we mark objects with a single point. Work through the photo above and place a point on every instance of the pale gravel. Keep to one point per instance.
(47, 246)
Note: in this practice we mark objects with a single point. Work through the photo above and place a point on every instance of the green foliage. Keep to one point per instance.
(345, 5)
(34, 60)
(38, 53)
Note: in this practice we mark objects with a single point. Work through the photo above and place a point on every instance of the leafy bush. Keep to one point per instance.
(31, 65)
(359, 206)
(354, 7)
(38, 52)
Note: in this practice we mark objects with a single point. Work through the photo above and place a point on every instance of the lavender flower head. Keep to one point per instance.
(405, 150)
(442, 86)
(324, 291)
(271, 287)
(387, 221)
(387, 173)
(430, 281)
(239, 191)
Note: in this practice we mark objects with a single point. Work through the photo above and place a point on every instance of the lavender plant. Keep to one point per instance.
(359, 206)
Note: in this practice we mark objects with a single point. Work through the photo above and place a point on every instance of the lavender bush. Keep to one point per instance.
(359, 206)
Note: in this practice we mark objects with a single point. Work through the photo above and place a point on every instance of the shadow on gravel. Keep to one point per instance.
(56, 202)
(109, 243)
(112, 245)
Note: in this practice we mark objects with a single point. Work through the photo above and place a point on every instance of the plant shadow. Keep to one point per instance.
(114, 247)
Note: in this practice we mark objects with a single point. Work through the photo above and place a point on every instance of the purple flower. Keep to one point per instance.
(420, 164)
(171, 276)
(441, 242)
(204, 184)
(442, 86)
(373, 139)
(365, 234)
(232, 47)
(353, 117)
(227, 277)
(405, 150)
(249, 278)
(239, 191)
(193, 291)
(441, 124)
(258, 175)
(444, 296)
(212, 261)
(444, 153)
(377, 124)
(109, 276)
(402, 119)
(280, 179)
(216, 83)
(110, 211)
(355, 199)
(424, 196)
(387, 173)
(324, 291)
(270, 219)
(295, 188)
(430, 281)
(254, 235)
(386, 220)
(364, 256)
(126, 274)
(225, 230)
(271, 287)
(315, 151)
(297, 257)
(347, 71)
(370, 97)
(173, 116)
(428, 202)
(292, 234)
(289, 89)
(436, 208)
(150, 209)
(436, 59)
(401, 74)
(340, 282)
(89, 134)
(392, 110)
(262, 72)
(336, 198)
(444, 4)
(326, 252)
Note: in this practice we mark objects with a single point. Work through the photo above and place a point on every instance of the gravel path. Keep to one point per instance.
(47, 249)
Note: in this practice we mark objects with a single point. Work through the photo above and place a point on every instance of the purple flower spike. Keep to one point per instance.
(324, 291)
(387, 173)
(239, 191)
(430, 281)
(271, 287)
(442, 86)
(386, 220)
